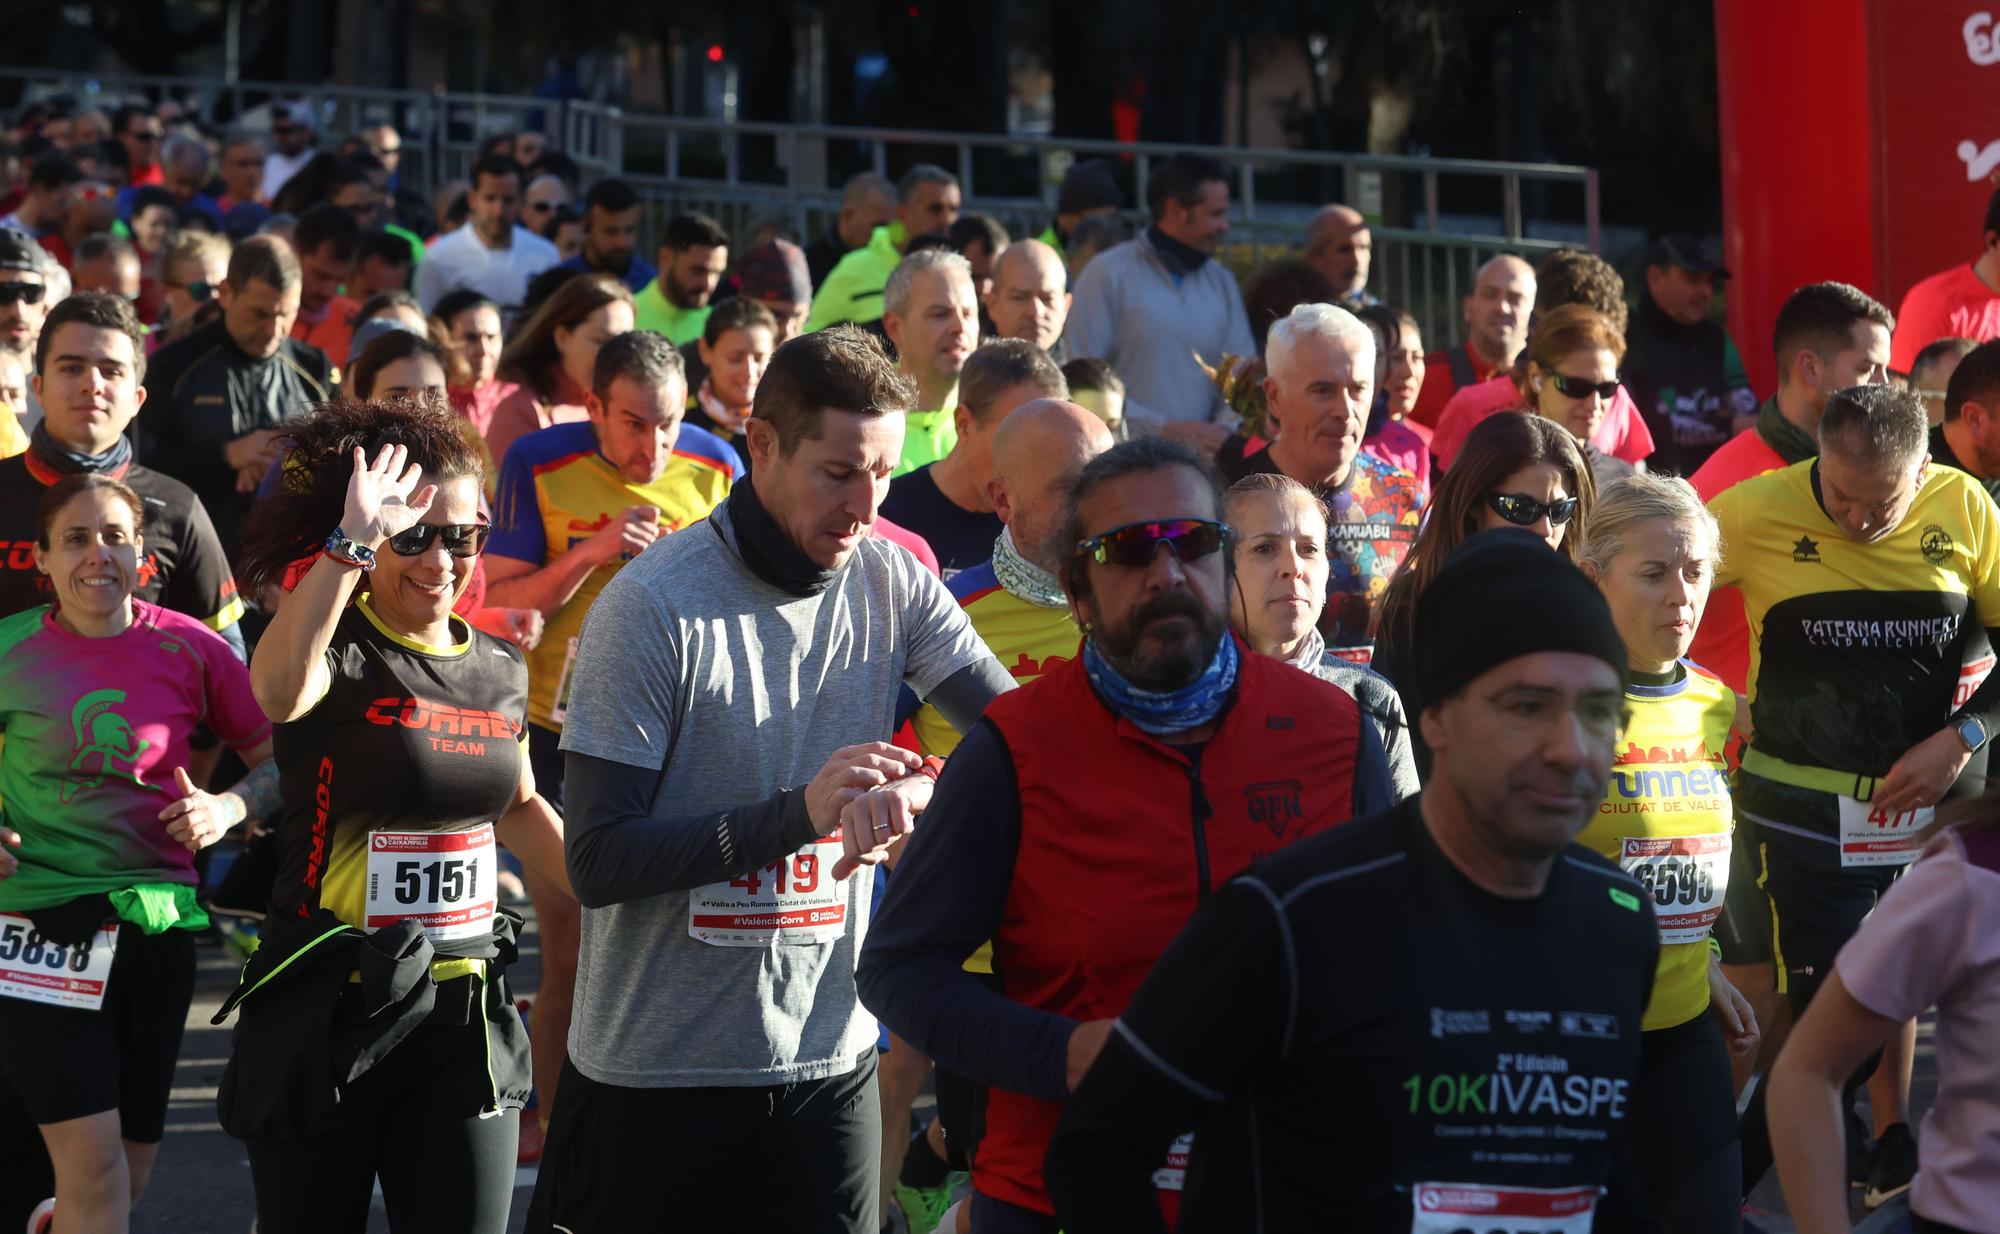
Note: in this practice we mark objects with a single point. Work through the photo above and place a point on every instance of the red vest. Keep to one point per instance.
(1122, 836)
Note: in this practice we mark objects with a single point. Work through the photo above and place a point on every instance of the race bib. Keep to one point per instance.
(38, 970)
(1871, 836)
(792, 900)
(1687, 877)
(1173, 1175)
(443, 880)
(559, 709)
(1477, 1208)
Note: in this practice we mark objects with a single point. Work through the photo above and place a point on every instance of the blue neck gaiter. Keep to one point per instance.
(1193, 705)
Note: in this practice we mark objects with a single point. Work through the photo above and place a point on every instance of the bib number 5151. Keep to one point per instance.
(448, 880)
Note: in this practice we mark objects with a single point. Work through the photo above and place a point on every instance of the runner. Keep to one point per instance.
(1930, 943)
(730, 684)
(547, 361)
(1016, 604)
(576, 503)
(1422, 1022)
(1279, 574)
(1666, 819)
(1163, 706)
(1515, 470)
(88, 382)
(99, 695)
(400, 746)
(1867, 575)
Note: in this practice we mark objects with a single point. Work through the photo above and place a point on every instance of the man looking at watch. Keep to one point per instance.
(1868, 577)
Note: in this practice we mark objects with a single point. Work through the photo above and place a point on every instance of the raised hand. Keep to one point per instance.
(382, 497)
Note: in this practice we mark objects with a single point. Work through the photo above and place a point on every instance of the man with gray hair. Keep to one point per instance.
(930, 313)
(927, 200)
(1870, 583)
(867, 201)
(1339, 246)
(950, 502)
(184, 168)
(1030, 295)
(1321, 361)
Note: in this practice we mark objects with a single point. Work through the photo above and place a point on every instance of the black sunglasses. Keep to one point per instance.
(22, 293)
(460, 539)
(1578, 387)
(1135, 544)
(1522, 510)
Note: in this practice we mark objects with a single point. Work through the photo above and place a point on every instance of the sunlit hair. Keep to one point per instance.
(1631, 503)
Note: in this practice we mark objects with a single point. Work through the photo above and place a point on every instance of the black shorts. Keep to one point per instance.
(801, 1158)
(546, 760)
(69, 1063)
(1744, 930)
(1816, 903)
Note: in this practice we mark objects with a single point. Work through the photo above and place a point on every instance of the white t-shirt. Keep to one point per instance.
(461, 259)
(279, 168)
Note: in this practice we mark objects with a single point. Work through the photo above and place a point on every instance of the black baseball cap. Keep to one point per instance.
(17, 252)
(1691, 253)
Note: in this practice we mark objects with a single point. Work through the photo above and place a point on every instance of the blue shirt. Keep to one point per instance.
(636, 275)
(200, 203)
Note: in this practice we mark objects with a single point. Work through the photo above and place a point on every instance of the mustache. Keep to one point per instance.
(1168, 604)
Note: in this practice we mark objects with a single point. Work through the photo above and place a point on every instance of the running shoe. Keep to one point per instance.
(925, 1206)
(1892, 1166)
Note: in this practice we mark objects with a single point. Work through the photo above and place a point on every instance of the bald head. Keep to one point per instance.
(1037, 452)
(1496, 313)
(1339, 246)
(868, 201)
(1030, 295)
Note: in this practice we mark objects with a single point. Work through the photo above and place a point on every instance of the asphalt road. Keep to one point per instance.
(202, 1183)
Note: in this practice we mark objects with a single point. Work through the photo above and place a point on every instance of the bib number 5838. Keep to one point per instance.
(37, 969)
(26, 944)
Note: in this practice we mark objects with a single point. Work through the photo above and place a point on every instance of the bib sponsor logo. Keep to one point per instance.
(1936, 545)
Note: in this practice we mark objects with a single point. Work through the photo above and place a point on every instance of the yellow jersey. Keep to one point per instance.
(1666, 819)
(1857, 651)
(556, 491)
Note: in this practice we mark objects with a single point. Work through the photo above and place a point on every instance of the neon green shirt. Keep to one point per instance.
(853, 288)
(653, 311)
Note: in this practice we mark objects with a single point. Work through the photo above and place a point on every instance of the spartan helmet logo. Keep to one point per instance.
(105, 738)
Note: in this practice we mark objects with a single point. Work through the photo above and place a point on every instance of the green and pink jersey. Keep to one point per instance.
(94, 729)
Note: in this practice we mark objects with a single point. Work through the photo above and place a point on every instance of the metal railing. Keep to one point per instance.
(1445, 216)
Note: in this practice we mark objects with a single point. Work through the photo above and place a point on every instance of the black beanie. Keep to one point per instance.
(1502, 595)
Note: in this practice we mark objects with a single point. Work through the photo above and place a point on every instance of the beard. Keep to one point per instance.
(1156, 665)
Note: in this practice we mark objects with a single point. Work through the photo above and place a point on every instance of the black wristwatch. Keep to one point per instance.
(1972, 732)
